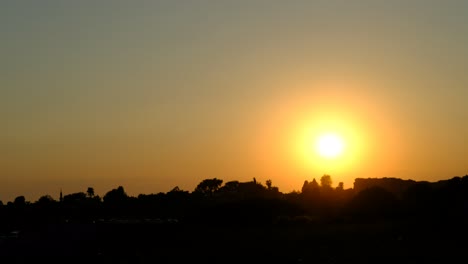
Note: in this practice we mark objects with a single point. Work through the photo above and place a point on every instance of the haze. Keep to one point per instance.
(156, 94)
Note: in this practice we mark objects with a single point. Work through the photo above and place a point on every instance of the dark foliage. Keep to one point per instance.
(390, 211)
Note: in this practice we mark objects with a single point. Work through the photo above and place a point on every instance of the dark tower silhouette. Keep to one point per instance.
(61, 196)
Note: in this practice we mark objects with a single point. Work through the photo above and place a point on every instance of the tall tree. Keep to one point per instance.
(268, 184)
(314, 184)
(340, 186)
(90, 192)
(326, 181)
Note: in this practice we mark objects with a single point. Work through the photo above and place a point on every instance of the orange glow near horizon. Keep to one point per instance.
(320, 131)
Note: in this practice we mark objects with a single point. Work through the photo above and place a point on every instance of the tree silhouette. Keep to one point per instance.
(340, 186)
(20, 202)
(176, 189)
(305, 187)
(310, 187)
(208, 186)
(75, 198)
(116, 196)
(326, 181)
(230, 187)
(90, 192)
(268, 184)
(45, 200)
(314, 184)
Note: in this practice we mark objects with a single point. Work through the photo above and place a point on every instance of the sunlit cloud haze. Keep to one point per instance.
(156, 94)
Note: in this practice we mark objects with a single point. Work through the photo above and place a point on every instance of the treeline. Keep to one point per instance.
(252, 202)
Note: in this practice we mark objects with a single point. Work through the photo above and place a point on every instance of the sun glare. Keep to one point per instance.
(330, 145)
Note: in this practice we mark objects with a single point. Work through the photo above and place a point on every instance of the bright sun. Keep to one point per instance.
(329, 145)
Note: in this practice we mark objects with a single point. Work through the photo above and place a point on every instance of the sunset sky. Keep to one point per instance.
(156, 94)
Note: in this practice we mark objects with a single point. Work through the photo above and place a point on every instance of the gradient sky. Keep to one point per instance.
(156, 94)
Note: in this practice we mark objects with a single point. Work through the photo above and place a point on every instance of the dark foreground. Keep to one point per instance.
(291, 242)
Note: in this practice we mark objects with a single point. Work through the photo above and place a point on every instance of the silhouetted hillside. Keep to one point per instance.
(389, 217)
(393, 185)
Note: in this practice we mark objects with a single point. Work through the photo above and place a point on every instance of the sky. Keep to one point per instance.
(151, 95)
